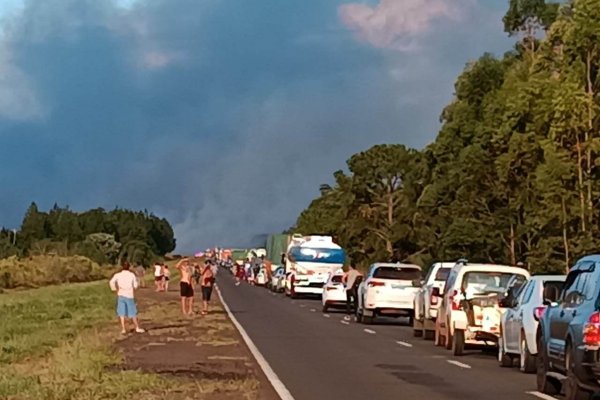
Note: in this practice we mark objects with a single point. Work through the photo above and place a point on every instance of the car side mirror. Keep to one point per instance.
(436, 292)
(417, 283)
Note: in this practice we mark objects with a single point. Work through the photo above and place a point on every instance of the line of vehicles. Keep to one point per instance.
(549, 325)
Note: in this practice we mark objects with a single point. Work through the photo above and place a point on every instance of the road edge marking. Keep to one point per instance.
(372, 332)
(541, 395)
(405, 344)
(459, 364)
(277, 384)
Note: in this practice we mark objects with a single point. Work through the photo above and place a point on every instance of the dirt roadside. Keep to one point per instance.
(205, 354)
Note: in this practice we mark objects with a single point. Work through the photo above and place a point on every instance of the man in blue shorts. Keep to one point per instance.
(125, 283)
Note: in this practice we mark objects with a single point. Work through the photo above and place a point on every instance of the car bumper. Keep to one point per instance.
(308, 290)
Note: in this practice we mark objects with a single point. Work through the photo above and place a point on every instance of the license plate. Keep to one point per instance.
(398, 286)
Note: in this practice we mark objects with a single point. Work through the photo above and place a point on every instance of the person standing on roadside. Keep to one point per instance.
(186, 288)
(349, 280)
(125, 283)
(158, 277)
(166, 276)
(207, 283)
(141, 273)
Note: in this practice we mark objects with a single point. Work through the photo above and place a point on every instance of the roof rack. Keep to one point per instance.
(462, 261)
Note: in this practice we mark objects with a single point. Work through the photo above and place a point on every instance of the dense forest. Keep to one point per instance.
(103, 236)
(513, 174)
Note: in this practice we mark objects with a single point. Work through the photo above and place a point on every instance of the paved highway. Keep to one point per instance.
(319, 356)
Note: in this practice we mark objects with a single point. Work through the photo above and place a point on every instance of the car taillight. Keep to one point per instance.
(331, 288)
(591, 330)
(433, 300)
(375, 283)
(538, 312)
(455, 304)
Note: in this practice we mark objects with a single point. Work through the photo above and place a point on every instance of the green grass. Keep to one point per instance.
(51, 347)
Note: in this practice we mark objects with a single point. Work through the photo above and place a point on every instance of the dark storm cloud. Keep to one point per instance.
(224, 116)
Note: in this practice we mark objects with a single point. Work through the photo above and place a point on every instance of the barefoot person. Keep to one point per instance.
(207, 283)
(166, 277)
(186, 288)
(158, 277)
(125, 283)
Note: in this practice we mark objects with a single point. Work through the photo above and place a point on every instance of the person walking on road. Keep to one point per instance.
(349, 281)
(186, 288)
(207, 283)
(124, 283)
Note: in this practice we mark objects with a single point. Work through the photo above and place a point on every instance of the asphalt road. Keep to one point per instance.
(317, 356)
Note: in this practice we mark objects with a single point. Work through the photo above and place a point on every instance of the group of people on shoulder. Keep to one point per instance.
(161, 277)
(249, 270)
(194, 275)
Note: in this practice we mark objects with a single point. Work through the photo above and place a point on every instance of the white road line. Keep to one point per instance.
(302, 305)
(372, 332)
(541, 395)
(345, 322)
(326, 315)
(277, 384)
(459, 364)
(405, 344)
(313, 310)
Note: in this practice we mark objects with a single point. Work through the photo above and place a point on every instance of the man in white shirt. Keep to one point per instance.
(158, 277)
(125, 283)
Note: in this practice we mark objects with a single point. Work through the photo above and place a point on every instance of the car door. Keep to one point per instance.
(572, 297)
(523, 306)
(515, 316)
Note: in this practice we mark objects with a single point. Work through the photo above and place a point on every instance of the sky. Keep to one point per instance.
(224, 116)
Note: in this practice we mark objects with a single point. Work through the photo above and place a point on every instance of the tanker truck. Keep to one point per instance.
(309, 261)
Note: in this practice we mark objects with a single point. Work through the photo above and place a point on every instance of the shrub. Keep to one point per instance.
(36, 271)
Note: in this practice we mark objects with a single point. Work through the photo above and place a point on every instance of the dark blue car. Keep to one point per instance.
(569, 335)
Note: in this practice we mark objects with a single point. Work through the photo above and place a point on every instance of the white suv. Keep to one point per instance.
(388, 290)
(426, 305)
(470, 312)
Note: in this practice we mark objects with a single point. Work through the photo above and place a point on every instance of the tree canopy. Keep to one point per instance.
(513, 174)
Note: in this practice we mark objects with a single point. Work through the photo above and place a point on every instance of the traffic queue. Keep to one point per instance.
(543, 324)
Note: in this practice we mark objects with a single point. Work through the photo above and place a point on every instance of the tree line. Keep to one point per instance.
(104, 236)
(513, 174)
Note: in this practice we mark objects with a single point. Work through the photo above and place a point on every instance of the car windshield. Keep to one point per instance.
(556, 284)
(442, 274)
(484, 282)
(398, 273)
(336, 279)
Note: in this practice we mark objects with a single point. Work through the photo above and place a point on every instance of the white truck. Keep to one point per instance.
(309, 262)
(426, 304)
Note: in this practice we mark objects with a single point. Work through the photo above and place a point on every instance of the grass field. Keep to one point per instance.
(53, 346)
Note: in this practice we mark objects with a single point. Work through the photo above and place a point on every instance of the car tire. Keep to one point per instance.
(325, 308)
(417, 332)
(458, 342)
(545, 384)
(428, 334)
(571, 385)
(448, 337)
(504, 360)
(527, 362)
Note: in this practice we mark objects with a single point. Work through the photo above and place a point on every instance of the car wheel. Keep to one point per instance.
(527, 360)
(571, 386)
(325, 308)
(545, 384)
(428, 335)
(417, 328)
(504, 360)
(448, 337)
(458, 342)
(417, 332)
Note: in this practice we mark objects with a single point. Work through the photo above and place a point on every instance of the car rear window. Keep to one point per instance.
(557, 284)
(480, 282)
(336, 279)
(398, 273)
(442, 274)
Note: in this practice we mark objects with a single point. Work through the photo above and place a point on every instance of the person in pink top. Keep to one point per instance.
(124, 283)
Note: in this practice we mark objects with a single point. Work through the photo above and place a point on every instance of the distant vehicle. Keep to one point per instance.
(334, 292)
(426, 305)
(309, 261)
(278, 280)
(569, 335)
(470, 309)
(388, 290)
(519, 324)
(261, 277)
